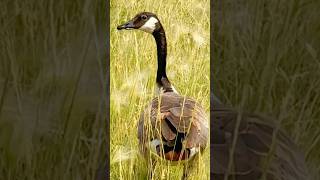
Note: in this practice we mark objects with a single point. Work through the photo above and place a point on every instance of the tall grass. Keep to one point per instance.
(52, 84)
(270, 49)
(133, 71)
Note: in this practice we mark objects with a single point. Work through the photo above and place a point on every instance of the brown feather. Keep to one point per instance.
(253, 146)
(183, 114)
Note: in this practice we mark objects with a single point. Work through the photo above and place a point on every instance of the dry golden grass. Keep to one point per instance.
(133, 71)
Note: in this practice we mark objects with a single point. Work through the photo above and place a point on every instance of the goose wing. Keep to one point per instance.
(170, 114)
(253, 153)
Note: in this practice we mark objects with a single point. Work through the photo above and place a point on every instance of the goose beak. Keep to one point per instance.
(128, 25)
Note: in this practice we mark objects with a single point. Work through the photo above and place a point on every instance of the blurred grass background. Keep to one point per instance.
(52, 89)
(270, 50)
(52, 74)
(133, 71)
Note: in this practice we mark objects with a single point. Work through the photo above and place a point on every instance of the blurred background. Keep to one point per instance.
(268, 52)
(133, 64)
(53, 80)
(53, 88)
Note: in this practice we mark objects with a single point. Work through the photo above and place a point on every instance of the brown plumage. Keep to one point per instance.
(174, 114)
(261, 150)
(172, 127)
(180, 123)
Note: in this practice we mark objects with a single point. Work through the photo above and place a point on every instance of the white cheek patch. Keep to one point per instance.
(150, 25)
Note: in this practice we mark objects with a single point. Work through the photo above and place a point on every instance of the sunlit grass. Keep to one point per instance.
(133, 73)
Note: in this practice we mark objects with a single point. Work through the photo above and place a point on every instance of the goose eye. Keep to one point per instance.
(144, 17)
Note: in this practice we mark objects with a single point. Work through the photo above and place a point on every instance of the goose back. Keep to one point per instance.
(170, 115)
(261, 148)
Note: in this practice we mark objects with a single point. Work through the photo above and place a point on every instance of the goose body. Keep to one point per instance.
(169, 121)
(261, 149)
(172, 127)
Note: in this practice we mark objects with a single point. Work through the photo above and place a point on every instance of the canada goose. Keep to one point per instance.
(261, 151)
(172, 127)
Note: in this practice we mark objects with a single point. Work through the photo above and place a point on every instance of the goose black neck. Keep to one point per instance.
(160, 37)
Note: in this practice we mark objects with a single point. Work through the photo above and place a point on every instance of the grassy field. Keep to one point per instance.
(269, 50)
(133, 73)
(52, 78)
(52, 89)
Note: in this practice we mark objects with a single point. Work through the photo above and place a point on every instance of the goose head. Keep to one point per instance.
(145, 21)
